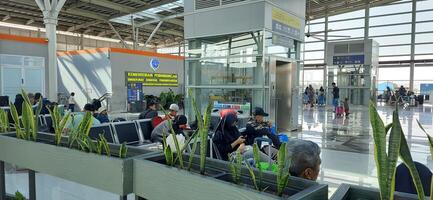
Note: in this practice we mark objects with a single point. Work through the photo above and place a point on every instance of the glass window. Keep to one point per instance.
(394, 58)
(390, 30)
(426, 37)
(315, 27)
(422, 75)
(424, 48)
(313, 77)
(422, 27)
(389, 40)
(346, 24)
(390, 9)
(392, 19)
(424, 5)
(394, 50)
(314, 55)
(347, 33)
(312, 39)
(314, 62)
(224, 71)
(314, 46)
(354, 14)
(395, 76)
(423, 16)
(423, 57)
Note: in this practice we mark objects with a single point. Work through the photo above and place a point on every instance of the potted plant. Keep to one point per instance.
(168, 98)
(74, 157)
(186, 176)
(386, 161)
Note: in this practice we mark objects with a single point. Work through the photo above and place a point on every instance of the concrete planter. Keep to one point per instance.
(353, 192)
(154, 180)
(110, 174)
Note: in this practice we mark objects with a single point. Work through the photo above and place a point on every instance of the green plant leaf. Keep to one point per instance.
(194, 148)
(179, 153)
(283, 169)
(252, 176)
(105, 145)
(381, 159)
(430, 139)
(256, 155)
(393, 153)
(167, 151)
(123, 150)
(19, 196)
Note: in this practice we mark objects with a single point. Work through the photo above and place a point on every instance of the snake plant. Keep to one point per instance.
(18, 196)
(430, 140)
(235, 165)
(78, 135)
(252, 176)
(386, 161)
(4, 121)
(59, 123)
(26, 127)
(123, 150)
(256, 155)
(203, 123)
(283, 173)
(167, 151)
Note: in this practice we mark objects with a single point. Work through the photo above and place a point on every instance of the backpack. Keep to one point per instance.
(156, 121)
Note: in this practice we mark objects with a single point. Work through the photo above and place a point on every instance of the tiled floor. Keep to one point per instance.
(347, 151)
(347, 144)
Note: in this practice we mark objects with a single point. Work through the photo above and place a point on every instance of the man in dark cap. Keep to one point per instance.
(258, 127)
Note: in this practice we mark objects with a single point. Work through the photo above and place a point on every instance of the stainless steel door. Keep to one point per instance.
(284, 84)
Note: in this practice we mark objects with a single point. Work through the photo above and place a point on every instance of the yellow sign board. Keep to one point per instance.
(152, 79)
(285, 18)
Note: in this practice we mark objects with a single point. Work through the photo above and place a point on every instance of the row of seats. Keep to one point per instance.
(135, 132)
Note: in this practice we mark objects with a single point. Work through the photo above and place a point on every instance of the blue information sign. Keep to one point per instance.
(348, 60)
(426, 88)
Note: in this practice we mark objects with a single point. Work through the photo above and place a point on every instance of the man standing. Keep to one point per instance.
(336, 95)
(72, 102)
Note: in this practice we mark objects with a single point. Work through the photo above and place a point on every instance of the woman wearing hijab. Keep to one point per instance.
(228, 139)
(18, 103)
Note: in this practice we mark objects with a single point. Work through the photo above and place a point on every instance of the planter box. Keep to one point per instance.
(154, 180)
(110, 174)
(353, 192)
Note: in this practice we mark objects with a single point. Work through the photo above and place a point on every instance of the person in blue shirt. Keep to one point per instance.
(77, 118)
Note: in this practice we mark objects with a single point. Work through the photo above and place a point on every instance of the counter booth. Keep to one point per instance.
(253, 58)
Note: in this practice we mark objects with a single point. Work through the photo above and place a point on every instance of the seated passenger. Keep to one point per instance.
(172, 111)
(77, 118)
(227, 139)
(178, 125)
(102, 116)
(150, 111)
(258, 127)
(45, 102)
(306, 160)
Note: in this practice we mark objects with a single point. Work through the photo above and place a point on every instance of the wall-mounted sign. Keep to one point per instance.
(152, 79)
(154, 64)
(282, 41)
(348, 60)
(286, 24)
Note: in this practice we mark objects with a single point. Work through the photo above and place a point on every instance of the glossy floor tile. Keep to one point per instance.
(347, 143)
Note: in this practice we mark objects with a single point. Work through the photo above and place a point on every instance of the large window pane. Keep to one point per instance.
(314, 62)
(313, 77)
(354, 14)
(315, 27)
(395, 76)
(389, 40)
(394, 50)
(424, 5)
(423, 48)
(351, 33)
(390, 30)
(389, 9)
(422, 27)
(314, 55)
(392, 19)
(427, 37)
(423, 16)
(422, 75)
(314, 46)
(346, 24)
(394, 58)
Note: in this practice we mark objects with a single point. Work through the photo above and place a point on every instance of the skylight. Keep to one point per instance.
(150, 14)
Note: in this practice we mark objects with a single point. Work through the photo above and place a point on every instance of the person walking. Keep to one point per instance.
(72, 102)
(336, 95)
(311, 95)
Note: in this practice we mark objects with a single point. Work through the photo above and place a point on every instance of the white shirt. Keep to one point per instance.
(71, 100)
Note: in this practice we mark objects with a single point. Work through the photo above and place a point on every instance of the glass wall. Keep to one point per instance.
(391, 26)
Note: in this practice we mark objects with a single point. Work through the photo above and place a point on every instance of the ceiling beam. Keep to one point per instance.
(6, 17)
(108, 4)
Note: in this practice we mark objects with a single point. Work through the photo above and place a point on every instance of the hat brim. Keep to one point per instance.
(265, 114)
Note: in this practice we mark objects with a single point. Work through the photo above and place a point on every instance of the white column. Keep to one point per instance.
(50, 10)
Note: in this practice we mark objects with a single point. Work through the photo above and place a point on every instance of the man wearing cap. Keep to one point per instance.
(172, 111)
(258, 127)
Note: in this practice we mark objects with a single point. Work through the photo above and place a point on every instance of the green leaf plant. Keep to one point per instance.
(4, 121)
(256, 155)
(167, 151)
(235, 165)
(59, 123)
(203, 123)
(26, 127)
(283, 173)
(123, 150)
(18, 196)
(430, 140)
(386, 161)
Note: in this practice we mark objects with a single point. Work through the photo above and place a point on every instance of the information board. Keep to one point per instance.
(348, 60)
(426, 88)
(286, 24)
(152, 79)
